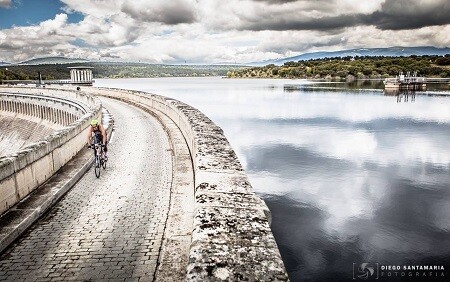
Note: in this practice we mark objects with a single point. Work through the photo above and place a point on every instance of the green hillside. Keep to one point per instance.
(351, 68)
(113, 70)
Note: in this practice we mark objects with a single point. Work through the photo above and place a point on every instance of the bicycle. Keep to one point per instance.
(99, 158)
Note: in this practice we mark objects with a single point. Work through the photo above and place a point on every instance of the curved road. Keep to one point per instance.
(109, 228)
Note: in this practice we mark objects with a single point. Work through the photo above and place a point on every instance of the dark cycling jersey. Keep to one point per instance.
(98, 137)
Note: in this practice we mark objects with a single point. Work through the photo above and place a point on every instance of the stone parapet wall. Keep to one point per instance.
(27, 169)
(231, 237)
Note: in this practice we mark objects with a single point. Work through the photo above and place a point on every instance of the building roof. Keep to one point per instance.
(80, 67)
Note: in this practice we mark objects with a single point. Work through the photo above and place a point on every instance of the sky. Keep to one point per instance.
(214, 31)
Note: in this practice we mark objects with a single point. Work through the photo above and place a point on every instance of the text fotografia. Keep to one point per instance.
(369, 271)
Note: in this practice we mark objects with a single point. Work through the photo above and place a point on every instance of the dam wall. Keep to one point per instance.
(18, 132)
(69, 112)
(26, 119)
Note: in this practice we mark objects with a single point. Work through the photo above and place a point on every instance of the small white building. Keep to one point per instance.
(81, 75)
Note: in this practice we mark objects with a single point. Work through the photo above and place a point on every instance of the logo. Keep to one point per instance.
(365, 271)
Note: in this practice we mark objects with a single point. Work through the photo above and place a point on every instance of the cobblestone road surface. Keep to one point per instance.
(109, 228)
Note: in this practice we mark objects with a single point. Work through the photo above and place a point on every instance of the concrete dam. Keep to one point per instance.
(173, 204)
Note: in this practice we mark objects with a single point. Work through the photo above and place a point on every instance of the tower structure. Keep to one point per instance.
(81, 75)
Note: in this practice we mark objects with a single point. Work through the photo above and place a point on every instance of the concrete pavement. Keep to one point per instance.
(109, 228)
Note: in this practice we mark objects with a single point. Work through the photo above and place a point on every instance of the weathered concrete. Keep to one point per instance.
(231, 237)
(17, 133)
(27, 169)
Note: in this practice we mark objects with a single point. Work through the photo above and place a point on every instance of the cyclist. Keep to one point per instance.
(98, 132)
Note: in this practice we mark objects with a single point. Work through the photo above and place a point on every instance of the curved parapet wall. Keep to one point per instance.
(24, 171)
(231, 238)
(52, 109)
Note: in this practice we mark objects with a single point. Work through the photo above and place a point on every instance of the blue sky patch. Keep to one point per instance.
(80, 43)
(32, 12)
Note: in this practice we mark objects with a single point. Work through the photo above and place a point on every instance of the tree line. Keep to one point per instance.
(112, 70)
(338, 68)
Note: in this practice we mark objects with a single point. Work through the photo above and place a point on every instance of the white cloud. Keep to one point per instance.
(98, 8)
(426, 36)
(205, 31)
(167, 12)
(237, 14)
(51, 26)
(5, 4)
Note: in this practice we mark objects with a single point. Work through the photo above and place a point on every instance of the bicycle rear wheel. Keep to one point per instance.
(97, 166)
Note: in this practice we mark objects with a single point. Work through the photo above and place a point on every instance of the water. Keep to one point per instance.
(351, 175)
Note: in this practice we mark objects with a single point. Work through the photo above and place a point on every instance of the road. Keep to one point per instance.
(109, 228)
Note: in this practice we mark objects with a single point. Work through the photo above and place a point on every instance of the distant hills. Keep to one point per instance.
(388, 52)
(52, 60)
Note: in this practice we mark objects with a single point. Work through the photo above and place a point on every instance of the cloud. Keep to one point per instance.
(50, 38)
(274, 2)
(113, 31)
(204, 31)
(108, 55)
(406, 14)
(387, 15)
(285, 15)
(289, 42)
(98, 8)
(5, 4)
(304, 23)
(166, 12)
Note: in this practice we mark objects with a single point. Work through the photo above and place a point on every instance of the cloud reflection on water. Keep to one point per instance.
(359, 143)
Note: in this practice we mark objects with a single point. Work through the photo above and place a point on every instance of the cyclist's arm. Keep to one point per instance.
(103, 131)
(89, 135)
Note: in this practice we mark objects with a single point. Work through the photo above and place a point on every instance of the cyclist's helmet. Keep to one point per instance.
(94, 122)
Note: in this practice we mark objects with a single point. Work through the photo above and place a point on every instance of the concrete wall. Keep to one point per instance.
(39, 107)
(16, 132)
(231, 238)
(24, 171)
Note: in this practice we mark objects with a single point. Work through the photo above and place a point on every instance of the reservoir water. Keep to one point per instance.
(351, 175)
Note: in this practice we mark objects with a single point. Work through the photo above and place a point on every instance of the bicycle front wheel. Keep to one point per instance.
(97, 166)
